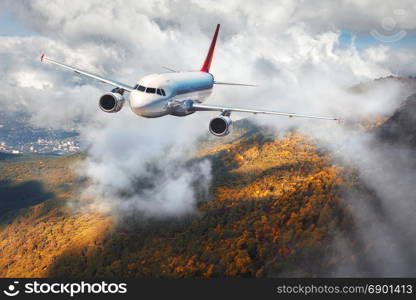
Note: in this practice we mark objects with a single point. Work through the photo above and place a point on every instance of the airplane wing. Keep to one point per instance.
(204, 107)
(88, 74)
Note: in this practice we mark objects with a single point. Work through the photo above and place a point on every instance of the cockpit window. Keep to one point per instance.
(139, 87)
(151, 90)
(161, 92)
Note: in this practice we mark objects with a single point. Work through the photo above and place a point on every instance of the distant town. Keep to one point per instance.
(56, 146)
(18, 136)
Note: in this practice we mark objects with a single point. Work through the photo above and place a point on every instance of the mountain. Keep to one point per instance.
(275, 203)
(408, 84)
(400, 127)
(278, 206)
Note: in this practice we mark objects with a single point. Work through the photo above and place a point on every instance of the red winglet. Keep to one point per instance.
(208, 59)
(41, 58)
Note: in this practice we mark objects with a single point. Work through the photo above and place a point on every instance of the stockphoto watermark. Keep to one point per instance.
(74, 288)
(389, 31)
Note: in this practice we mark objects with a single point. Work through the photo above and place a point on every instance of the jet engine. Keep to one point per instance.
(220, 126)
(111, 102)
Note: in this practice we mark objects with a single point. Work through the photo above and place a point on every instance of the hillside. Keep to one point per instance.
(277, 207)
(400, 127)
(274, 203)
(35, 225)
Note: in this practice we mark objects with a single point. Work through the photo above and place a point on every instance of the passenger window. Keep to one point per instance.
(151, 90)
(141, 88)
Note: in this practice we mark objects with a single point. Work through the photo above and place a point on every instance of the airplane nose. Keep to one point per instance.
(138, 102)
(143, 104)
(136, 99)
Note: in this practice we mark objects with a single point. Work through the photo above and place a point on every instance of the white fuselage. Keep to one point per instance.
(155, 92)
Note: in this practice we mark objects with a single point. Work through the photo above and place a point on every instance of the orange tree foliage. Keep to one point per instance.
(274, 207)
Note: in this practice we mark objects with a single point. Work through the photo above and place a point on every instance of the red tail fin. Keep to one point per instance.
(207, 62)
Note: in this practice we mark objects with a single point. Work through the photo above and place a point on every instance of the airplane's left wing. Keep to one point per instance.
(88, 74)
(224, 109)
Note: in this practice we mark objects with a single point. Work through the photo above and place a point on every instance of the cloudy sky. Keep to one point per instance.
(276, 44)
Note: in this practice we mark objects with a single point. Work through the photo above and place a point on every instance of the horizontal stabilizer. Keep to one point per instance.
(231, 83)
(170, 70)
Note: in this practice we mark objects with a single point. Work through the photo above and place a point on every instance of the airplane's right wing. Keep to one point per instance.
(88, 74)
(224, 109)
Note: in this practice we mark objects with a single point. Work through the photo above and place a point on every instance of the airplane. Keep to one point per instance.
(174, 93)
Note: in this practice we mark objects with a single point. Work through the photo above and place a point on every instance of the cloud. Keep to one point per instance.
(357, 16)
(382, 203)
(139, 166)
(274, 46)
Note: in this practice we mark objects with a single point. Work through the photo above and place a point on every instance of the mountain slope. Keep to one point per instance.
(274, 204)
(34, 235)
(400, 127)
(277, 207)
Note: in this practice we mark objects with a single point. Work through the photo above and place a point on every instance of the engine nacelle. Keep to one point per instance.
(220, 126)
(111, 102)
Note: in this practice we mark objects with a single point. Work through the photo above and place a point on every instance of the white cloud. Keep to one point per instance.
(128, 39)
(137, 166)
